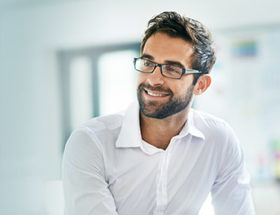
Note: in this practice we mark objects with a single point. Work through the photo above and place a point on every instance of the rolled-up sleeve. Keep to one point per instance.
(231, 193)
(85, 188)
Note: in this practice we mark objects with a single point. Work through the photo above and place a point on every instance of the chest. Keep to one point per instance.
(173, 181)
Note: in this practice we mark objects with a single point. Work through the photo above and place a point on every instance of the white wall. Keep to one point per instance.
(30, 125)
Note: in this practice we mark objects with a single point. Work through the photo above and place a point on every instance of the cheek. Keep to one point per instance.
(186, 81)
(181, 87)
(141, 78)
(176, 90)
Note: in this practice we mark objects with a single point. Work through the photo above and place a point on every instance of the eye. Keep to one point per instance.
(173, 69)
(147, 63)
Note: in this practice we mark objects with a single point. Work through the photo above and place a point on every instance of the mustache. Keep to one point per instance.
(157, 88)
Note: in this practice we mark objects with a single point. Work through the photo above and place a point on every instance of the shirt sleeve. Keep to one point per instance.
(231, 192)
(85, 188)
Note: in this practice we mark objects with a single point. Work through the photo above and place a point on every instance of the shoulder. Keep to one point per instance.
(215, 129)
(220, 138)
(103, 123)
(206, 121)
(97, 132)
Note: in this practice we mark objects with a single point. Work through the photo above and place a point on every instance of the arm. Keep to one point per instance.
(85, 188)
(231, 193)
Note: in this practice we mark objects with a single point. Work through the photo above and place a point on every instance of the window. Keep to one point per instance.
(96, 81)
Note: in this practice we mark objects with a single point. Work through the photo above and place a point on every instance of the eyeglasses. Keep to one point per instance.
(167, 70)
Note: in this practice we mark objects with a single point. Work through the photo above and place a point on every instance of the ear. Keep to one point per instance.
(202, 84)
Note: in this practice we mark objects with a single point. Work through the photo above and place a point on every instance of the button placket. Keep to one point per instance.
(162, 197)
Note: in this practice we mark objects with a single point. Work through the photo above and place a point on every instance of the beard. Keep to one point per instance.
(158, 110)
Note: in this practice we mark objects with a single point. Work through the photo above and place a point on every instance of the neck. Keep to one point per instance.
(158, 132)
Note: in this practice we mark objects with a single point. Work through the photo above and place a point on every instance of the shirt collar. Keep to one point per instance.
(190, 127)
(130, 133)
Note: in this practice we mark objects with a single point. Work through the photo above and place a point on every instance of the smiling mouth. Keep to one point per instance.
(157, 94)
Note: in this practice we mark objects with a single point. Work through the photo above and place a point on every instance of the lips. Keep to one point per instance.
(156, 93)
(152, 93)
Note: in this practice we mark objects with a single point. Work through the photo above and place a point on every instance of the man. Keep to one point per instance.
(160, 156)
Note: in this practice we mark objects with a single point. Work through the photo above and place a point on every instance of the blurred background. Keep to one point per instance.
(65, 61)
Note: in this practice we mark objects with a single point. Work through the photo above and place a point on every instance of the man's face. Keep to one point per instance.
(158, 96)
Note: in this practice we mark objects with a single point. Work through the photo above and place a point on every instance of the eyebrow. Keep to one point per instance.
(150, 57)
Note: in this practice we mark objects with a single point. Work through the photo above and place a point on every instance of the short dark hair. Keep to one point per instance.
(175, 25)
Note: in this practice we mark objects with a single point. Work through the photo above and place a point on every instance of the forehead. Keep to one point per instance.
(162, 48)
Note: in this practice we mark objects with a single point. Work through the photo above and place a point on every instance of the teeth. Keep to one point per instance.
(154, 94)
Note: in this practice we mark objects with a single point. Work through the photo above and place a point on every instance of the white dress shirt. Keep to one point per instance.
(109, 169)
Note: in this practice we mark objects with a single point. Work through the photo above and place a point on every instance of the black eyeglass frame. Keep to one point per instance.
(184, 71)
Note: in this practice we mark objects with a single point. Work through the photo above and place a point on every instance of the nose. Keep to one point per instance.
(155, 78)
